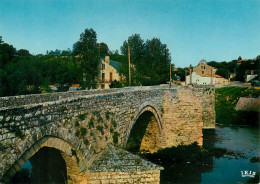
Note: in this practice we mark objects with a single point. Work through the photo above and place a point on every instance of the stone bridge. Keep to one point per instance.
(91, 129)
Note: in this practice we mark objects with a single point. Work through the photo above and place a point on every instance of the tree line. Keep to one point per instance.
(23, 73)
(239, 67)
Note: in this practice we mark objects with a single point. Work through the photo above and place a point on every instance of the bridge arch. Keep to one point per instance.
(145, 131)
(74, 160)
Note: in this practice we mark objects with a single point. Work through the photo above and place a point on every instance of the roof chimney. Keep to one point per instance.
(107, 59)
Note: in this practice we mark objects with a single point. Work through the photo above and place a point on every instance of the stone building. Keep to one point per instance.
(205, 74)
(108, 72)
(204, 68)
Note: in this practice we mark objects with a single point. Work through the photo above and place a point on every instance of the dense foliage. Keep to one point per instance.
(226, 100)
(240, 68)
(34, 74)
(245, 68)
(150, 61)
(88, 52)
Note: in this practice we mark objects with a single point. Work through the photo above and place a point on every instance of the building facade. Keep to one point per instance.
(203, 68)
(205, 74)
(108, 72)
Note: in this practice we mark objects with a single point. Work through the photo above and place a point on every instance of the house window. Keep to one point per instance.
(111, 76)
(102, 86)
(103, 77)
(103, 67)
(202, 72)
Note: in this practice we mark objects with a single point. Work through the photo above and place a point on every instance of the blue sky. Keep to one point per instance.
(219, 30)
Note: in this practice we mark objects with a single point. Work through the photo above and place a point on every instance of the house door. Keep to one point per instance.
(111, 77)
(103, 77)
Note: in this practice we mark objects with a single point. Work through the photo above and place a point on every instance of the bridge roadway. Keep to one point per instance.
(82, 125)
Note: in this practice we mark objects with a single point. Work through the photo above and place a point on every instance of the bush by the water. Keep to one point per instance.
(226, 100)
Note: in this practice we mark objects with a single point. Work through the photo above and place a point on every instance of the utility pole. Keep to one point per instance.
(211, 80)
(190, 75)
(129, 66)
(170, 85)
(185, 77)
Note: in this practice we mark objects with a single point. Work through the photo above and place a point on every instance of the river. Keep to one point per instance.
(242, 144)
(242, 140)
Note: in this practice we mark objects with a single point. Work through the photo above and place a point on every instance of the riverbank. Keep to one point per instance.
(226, 100)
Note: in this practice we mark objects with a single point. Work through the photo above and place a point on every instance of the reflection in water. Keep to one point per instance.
(190, 166)
(238, 146)
(242, 140)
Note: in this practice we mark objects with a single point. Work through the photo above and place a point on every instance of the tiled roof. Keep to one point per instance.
(208, 75)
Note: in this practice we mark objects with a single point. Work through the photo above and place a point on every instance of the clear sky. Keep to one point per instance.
(219, 30)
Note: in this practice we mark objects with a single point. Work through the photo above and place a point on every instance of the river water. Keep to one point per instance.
(240, 143)
(242, 140)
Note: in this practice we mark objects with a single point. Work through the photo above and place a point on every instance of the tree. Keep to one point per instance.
(88, 51)
(246, 66)
(157, 62)
(67, 52)
(7, 53)
(23, 52)
(57, 52)
(223, 72)
(239, 58)
(149, 61)
(103, 48)
(136, 44)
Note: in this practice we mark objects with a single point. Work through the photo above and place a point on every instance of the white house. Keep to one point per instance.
(206, 79)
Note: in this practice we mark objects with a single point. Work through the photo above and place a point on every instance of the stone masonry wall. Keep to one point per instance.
(182, 118)
(87, 122)
(127, 177)
(206, 95)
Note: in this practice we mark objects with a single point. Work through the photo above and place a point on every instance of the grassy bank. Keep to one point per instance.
(226, 100)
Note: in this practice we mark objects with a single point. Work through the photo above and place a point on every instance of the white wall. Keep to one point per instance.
(197, 79)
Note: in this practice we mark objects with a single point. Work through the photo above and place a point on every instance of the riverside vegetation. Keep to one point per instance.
(226, 100)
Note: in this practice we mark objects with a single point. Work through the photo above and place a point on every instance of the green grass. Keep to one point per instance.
(226, 100)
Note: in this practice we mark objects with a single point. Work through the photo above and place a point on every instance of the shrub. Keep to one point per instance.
(76, 123)
(82, 116)
(77, 133)
(113, 122)
(91, 123)
(86, 142)
(83, 131)
(107, 115)
(115, 137)
(100, 128)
